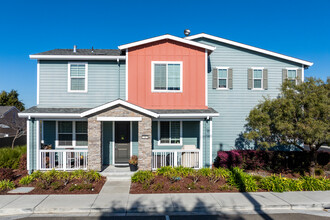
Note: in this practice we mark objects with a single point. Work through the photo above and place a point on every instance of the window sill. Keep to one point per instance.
(222, 89)
(73, 91)
(258, 89)
(169, 145)
(166, 91)
(64, 147)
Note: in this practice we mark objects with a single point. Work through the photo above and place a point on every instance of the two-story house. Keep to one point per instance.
(168, 100)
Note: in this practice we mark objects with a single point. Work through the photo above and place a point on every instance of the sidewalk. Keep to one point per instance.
(114, 198)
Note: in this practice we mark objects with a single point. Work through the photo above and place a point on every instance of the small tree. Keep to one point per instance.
(18, 125)
(11, 99)
(300, 115)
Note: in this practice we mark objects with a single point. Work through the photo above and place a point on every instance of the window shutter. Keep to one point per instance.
(265, 78)
(299, 76)
(250, 78)
(230, 78)
(284, 74)
(215, 78)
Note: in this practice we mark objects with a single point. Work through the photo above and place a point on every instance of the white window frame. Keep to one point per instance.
(153, 76)
(222, 68)
(262, 77)
(73, 136)
(86, 77)
(169, 144)
(287, 74)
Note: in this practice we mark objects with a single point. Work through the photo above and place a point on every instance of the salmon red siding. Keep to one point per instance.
(193, 77)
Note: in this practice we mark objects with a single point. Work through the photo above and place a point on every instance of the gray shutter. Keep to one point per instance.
(284, 74)
(299, 76)
(265, 78)
(250, 78)
(215, 78)
(230, 78)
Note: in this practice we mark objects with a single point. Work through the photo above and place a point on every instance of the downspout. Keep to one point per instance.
(118, 77)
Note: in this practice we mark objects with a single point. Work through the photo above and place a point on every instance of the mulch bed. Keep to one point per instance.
(181, 186)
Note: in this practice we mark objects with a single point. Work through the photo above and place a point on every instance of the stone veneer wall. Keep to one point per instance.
(95, 137)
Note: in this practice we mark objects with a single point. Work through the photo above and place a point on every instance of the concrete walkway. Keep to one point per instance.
(114, 198)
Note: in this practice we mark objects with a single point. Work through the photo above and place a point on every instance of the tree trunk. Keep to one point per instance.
(15, 137)
(313, 152)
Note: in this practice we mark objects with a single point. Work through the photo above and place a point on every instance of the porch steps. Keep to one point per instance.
(117, 173)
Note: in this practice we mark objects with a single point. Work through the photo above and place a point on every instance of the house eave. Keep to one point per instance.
(76, 57)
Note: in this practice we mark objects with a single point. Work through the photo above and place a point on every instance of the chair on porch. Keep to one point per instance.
(189, 158)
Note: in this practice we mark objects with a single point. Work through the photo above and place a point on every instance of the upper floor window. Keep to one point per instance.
(167, 76)
(72, 134)
(222, 78)
(257, 79)
(292, 76)
(170, 132)
(77, 77)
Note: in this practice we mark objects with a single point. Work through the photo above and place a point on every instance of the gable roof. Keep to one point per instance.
(5, 109)
(165, 37)
(248, 47)
(80, 54)
(119, 102)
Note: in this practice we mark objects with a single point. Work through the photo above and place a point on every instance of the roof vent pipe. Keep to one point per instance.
(74, 48)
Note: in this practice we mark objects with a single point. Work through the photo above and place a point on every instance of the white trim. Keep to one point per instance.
(49, 115)
(201, 144)
(119, 118)
(38, 144)
(130, 139)
(119, 102)
(113, 143)
(206, 78)
(38, 81)
(169, 144)
(292, 68)
(166, 36)
(219, 39)
(189, 115)
(86, 78)
(262, 78)
(126, 66)
(166, 62)
(75, 57)
(211, 141)
(28, 144)
(174, 119)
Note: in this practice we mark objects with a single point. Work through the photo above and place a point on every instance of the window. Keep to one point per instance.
(257, 78)
(72, 134)
(77, 77)
(292, 75)
(65, 133)
(167, 76)
(223, 78)
(170, 132)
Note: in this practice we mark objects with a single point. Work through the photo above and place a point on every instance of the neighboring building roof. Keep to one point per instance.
(5, 109)
(80, 54)
(165, 37)
(245, 46)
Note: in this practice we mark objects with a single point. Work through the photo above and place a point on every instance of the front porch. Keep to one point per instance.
(110, 134)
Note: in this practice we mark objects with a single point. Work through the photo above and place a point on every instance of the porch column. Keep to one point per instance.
(94, 144)
(145, 139)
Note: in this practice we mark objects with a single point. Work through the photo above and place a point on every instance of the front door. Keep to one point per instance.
(122, 142)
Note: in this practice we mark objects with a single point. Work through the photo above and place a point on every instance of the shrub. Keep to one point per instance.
(143, 177)
(196, 175)
(10, 158)
(228, 159)
(275, 184)
(26, 180)
(243, 181)
(92, 176)
(191, 186)
(166, 171)
(6, 185)
(217, 173)
(310, 183)
(56, 185)
(23, 162)
(174, 188)
(158, 186)
(319, 172)
(183, 171)
(205, 171)
(6, 174)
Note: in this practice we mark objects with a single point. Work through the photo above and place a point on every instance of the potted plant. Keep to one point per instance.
(133, 163)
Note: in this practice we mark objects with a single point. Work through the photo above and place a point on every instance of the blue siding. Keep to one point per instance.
(33, 144)
(49, 133)
(107, 141)
(106, 82)
(234, 105)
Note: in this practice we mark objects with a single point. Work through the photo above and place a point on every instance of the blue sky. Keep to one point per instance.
(296, 28)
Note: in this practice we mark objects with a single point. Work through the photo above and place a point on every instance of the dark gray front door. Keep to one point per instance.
(122, 142)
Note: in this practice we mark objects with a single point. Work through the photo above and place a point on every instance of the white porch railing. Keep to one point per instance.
(185, 158)
(63, 159)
